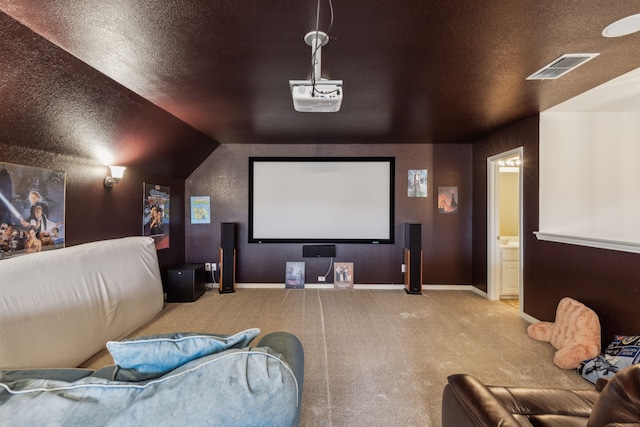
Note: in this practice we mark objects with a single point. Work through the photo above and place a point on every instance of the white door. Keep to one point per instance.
(494, 261)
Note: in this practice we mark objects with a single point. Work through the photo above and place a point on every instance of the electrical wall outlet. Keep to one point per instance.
(403, 269)
(214, 266)
(322, 279)
(207, 266)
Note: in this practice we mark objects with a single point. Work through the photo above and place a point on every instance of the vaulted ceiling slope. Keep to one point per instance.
(414, 71)
(55, 104)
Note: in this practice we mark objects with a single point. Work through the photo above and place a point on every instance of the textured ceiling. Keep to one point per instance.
(414, 71)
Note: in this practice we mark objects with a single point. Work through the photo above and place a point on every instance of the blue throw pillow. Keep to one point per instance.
(149, 357)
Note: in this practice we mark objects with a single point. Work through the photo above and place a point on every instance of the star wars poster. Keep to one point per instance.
(31, 209)
(156, 214)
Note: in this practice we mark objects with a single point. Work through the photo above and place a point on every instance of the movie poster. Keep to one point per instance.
(294, 275)
(343, 275)
(417, 183)
(447, 200)
(200, 210)
(156, 214)
(31, 209)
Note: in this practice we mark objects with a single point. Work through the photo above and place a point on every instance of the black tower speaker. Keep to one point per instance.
(413, 258)
(227, 257)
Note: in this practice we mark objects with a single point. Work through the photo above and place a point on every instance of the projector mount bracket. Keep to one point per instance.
(316, 94)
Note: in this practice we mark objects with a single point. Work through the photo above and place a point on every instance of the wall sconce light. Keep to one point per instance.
(115, 177)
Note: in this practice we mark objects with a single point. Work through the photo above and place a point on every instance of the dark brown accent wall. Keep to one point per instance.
(522, 134)
(445, 238)
(56, 111)
(605, 280)
(95, 213)
(449, 260)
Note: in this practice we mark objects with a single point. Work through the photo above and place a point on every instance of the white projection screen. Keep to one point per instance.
(321, 199)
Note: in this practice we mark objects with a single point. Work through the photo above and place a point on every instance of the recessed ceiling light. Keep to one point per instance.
(623, 27)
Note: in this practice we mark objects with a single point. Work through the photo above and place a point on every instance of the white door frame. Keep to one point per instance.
(493, 224)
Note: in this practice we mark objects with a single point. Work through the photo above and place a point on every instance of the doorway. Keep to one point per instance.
(504, 235)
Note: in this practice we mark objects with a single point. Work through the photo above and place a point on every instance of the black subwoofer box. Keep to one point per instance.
(185, 283)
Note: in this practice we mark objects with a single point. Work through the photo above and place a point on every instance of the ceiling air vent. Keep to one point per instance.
(561, 66)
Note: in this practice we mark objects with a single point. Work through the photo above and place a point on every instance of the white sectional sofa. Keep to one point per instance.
(60, 307)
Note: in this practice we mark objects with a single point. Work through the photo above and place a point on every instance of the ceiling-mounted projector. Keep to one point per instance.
(323, 97)
(316, 95)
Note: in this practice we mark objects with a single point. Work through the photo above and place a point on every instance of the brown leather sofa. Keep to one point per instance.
(616, 402)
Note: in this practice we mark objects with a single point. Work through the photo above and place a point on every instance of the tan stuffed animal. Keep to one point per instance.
(575, 333)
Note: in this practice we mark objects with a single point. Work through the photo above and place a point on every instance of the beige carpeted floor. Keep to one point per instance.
(378, 357)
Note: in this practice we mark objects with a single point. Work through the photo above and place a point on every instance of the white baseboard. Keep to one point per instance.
(260, 285)
(529, 318)
(448, 287)
(383, 286)
(314, 286)
(374, 286)
(388, 286)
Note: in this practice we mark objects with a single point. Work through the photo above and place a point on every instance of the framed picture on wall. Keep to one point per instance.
(447, 200)
(156, 214)
(200, 210)
(32, 209)
(417, 183)
(343, 275)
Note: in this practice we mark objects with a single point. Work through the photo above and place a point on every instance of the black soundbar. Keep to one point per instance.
(319, 251)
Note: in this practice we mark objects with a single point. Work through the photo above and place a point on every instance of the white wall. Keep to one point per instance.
(509, 202)
(590, 176)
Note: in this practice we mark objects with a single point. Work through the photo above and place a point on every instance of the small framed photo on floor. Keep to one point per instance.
(343, 275)
(294, 275)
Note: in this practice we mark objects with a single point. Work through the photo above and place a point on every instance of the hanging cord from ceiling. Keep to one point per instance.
(314, 59)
